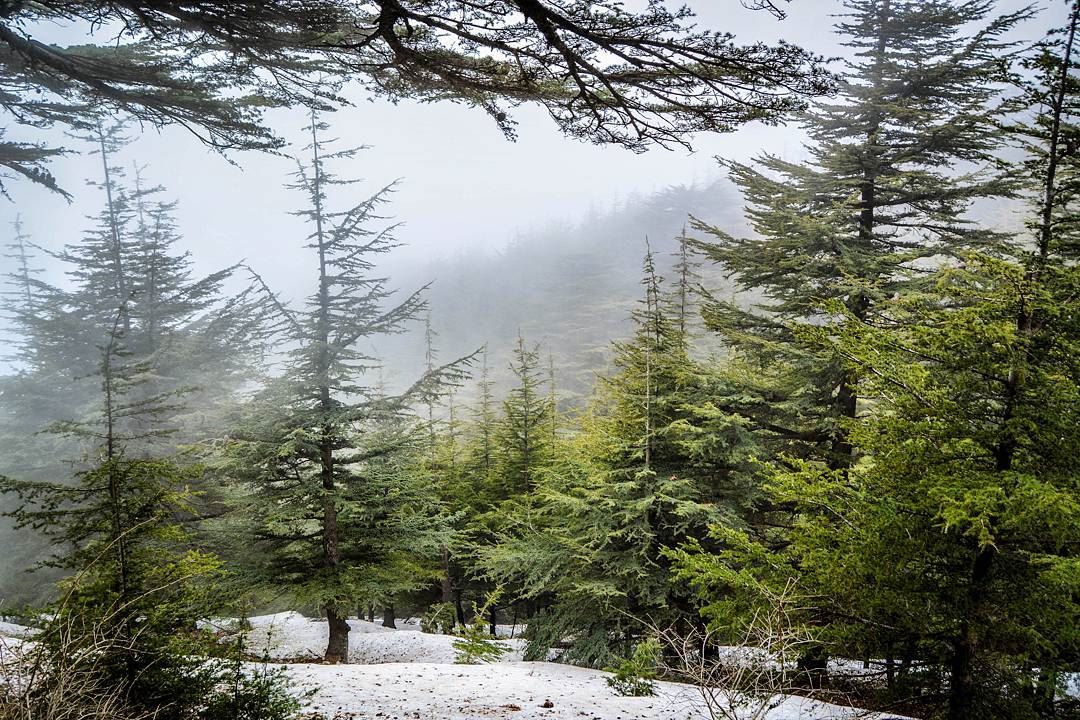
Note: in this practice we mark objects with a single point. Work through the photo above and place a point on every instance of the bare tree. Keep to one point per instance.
(750, 678)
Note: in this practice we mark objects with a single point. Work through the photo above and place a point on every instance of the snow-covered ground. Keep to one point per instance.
(519, 690)
(291, 636)
(405, 674)
(408, 675)
(11, 630)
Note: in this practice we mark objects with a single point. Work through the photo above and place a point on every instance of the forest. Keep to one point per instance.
(801, 440)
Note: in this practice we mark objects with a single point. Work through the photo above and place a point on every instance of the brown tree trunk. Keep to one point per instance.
(337, 647)
(389, 620)
(459, 608)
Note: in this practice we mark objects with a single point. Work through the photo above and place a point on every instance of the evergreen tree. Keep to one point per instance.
(119, 529)
(21, 297)
(894, 164)
(650, 468)
(522, 441)
(321, 444)
(949, 548)
(130, 260)
(197, 346)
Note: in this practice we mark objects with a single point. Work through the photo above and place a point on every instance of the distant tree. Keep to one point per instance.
(524, 443)
(195, 336)
(604, 73)
(331, 506)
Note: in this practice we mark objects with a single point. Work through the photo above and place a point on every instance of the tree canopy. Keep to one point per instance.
(604, 73)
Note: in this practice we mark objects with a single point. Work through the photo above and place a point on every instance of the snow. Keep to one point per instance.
(519, 690)
(404, 674)
(11, 630)
(291, 636)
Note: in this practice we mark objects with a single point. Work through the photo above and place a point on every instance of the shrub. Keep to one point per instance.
(440, 618)
(476, 646)
(634, 677)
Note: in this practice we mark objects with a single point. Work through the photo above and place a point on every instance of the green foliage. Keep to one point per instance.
(239, 693)
(879, 198)
(886, 374)
(325, 463)
(652, 465)
(440, 619)
(476, 645)
(87, 663)
(634, 677)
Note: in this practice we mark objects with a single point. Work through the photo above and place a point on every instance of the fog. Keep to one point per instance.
(465, 188)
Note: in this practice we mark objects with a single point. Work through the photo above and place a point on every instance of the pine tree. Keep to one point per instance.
(196, 344)
(650, 468)
(523, 444)
(119, 529)
(194, 335)
(949, 548)
(320, 441)
(21, 297)
(894, 164)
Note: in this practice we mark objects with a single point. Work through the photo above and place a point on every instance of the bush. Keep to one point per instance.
(249, 694)
(440, 619)
(78, 671)
(634, 677)
(476, 645)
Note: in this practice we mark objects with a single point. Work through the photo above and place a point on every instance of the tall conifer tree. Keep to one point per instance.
(951, 544)
(895, 162)
(320, 432)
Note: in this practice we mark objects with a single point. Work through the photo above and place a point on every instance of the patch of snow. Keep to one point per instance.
(11, 630)
(519, 690)
(291, 636)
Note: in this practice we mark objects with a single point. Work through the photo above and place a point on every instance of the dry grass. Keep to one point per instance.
(62, 680)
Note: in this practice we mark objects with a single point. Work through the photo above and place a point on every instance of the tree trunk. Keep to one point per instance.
(447, 580)
(493, 622)
(337, 647)
(459, 608)
(388, 618)
(965, 646)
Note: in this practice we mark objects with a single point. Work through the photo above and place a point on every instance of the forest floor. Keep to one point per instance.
(405, 674)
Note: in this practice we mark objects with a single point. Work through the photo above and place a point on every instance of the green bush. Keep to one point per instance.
(634, 677)
(476, 646)
(243, 693)
(440, 618)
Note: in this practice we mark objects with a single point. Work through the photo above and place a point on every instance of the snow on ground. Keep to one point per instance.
(11, 630)
(518, 690)
(408, 675)
(291, 636)
(404, 674)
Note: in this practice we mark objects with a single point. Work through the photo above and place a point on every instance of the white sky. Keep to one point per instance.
(464, 186)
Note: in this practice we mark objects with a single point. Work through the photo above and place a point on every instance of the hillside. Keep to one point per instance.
(570, 287)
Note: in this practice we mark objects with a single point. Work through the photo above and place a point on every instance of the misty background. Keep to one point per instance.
(542, 236)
